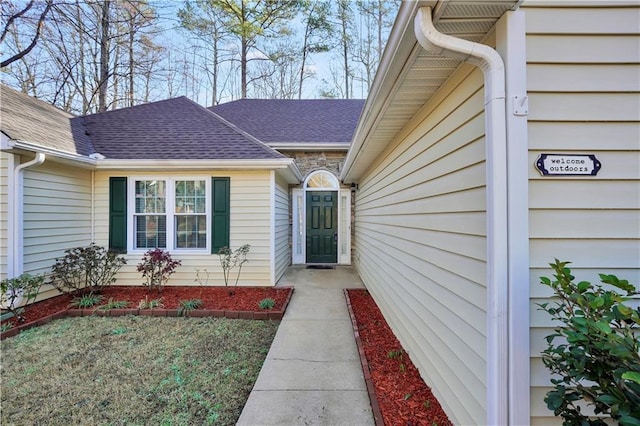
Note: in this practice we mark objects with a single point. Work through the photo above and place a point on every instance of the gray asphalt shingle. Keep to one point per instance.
(294, 121)
(172, 129)
(28, 119)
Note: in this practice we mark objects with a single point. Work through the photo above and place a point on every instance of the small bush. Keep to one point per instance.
(92, 267)
(267, 303)
(86, 301)
(150, 304)
(594, 351)
(19, 292)
(157, 266)
(114, 304)
(189, 305)
(229, 259)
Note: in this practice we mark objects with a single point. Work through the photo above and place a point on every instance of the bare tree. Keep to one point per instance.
(11, 22)
(317, 33)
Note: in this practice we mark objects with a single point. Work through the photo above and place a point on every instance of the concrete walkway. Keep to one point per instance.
(312, 374)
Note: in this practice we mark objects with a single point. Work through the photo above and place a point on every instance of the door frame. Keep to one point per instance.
(299, 223)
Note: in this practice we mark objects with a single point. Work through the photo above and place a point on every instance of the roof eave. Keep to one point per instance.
(17, 146)
(399, 49)
(200, 164)
(305, 146)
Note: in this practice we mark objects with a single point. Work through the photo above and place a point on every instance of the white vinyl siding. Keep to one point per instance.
(57, 213)
(583, 68)
(421, 243)
(250, 224)
(282, 228)
(4, 211)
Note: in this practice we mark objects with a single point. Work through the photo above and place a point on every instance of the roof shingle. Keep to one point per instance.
(294, 121)
(28, 119)
(171, 129)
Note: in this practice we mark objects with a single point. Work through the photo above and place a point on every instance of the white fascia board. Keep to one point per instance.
(267, 164)
(303, 146)
(51, 153)
(398, 50)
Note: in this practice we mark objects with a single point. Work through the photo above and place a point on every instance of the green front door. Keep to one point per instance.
(322, 227)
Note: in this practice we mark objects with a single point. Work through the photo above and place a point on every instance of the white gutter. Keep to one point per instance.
(17, 222)
(492, 67)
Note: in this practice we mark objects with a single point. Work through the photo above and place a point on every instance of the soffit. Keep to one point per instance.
(420, 78)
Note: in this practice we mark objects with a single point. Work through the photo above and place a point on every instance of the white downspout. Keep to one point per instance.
(492, 67)
(18, 209)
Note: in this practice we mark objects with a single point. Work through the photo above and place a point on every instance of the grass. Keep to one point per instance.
(132, 370)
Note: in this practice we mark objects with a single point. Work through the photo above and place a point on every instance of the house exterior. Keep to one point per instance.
(167, 174)
(458, 210)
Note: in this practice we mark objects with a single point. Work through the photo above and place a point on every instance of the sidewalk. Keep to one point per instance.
(312, 374)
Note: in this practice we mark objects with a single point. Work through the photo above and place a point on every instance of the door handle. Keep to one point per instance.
(335, 237)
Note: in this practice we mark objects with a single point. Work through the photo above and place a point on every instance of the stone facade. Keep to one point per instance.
(310, 161)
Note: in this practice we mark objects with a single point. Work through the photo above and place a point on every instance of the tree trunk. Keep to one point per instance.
(104, 56)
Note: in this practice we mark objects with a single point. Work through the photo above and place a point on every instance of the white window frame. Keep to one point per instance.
(170, 212)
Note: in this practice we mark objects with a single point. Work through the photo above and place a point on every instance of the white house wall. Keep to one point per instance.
(57, 215)
(421, 243)
(583, 87)
(281, 227)
(250, 224)
(4, 209)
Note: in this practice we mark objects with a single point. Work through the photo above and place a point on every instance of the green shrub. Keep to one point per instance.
(594, 351)
(19, 292)
(92, 267)
(267, 303)
(189, 305)
(86, 301)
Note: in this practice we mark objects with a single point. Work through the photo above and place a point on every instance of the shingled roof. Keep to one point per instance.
(283, 121)
(172, 129)
(27, 119)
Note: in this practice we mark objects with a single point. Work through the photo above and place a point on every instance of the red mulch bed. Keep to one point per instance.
(403, 397)
(213, 298)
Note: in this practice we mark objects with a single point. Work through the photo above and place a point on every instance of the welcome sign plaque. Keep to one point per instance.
(568, 165)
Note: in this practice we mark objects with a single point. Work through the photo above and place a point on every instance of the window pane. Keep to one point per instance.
(191, 231)
(190, 196)
(150, 196)
(151, 231)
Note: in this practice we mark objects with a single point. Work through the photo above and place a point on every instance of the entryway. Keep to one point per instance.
(321, 226)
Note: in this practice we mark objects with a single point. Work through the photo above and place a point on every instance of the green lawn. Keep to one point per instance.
(132, 371)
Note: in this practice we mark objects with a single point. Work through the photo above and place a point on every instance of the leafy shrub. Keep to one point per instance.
(19, 292)
(86, 301)
(267, 303)
(595, 350)
(229, 259)
(189, 305)
(114, 304)
(92, 267)
(157, 266)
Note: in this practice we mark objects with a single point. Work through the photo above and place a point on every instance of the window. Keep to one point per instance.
(178, 213)
(150, 220)
(170, 214)
(191, 214)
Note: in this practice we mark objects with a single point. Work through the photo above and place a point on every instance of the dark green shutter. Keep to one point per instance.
(118, 214)
(220, 188)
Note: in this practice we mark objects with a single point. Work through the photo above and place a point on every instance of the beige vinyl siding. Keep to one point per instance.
(282, 228)
(421, 243)
(4, 210)
(583, 80)
(57, 215)
(250, 224)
